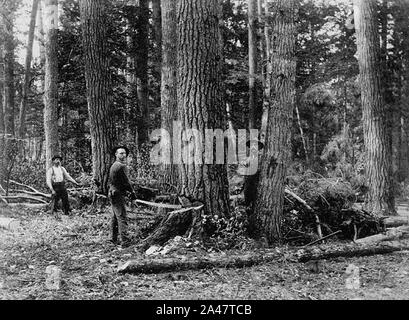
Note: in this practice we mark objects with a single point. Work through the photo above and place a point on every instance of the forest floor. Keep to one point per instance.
(77, 244)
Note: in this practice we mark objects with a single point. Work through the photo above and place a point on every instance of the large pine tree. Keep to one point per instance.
(380, 197)
(99, 90)
(266, 218)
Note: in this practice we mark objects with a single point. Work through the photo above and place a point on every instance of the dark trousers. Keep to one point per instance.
(60, 193)
(119, 221)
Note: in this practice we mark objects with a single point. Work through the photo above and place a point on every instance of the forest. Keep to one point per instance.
(266, 142)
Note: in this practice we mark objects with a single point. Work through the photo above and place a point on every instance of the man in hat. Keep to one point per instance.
(57, 175)
(119, 185)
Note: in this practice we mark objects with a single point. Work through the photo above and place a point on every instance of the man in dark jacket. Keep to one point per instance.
(119, 185)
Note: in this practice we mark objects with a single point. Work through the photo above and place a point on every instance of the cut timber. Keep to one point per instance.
(401, 232)
(173, 224)
(395, 221)
(157, 265)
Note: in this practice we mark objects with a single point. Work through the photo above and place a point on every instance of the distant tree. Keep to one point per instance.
(99, 87)
(265, 222)
(380, 196)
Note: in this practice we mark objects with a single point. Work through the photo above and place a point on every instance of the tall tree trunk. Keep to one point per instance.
(99, 89)
(252, 46)
(267, 86)
(50, 80)
(200, 101)
(7, 151)
(27, 71)
(142, 71)
(266, 220)
(380, 197)
(169, 86)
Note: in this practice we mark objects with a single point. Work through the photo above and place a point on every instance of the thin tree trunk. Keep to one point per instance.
(200, 101)
(99, 87)
(27, 71)
(266, 220)
(380, 198)
(50, 81)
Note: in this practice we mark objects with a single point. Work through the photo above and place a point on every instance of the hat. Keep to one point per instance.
(56, 157)
(120, 147)
(260, 144)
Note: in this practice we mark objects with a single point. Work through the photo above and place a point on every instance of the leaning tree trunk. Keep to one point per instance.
(99, 90)
(168, 88)
(266, 218)
(380, 197)
(50, 80)
(200, 102)
(27, 71)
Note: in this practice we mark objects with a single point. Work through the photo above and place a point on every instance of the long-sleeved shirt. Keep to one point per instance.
(118, 178)
(58, 174)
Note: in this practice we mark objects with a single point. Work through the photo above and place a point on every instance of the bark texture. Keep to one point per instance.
(169, 85)
(380, 197)
(200, 101)
(266, 219)
(98, 82)
(50, 81)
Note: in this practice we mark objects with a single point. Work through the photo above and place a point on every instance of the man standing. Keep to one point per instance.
(118, 186)
(56, 177)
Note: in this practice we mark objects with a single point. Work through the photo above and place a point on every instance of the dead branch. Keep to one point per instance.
(302, 201)
(24, 185)
(47, 196)
(323, 238)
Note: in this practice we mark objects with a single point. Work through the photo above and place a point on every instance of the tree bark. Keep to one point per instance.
(141, 61)
(169, 87)
(50, 81)
(27, 71)
(99, 92)
(200, 102)
(253, 57)
(266, 219)
(380, 197)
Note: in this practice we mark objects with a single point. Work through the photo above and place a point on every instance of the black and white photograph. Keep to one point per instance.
(204, 155)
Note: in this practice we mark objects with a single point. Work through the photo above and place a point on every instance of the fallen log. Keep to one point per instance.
(3, 200)
(401, 232)
(32, 193)
(157, 265)
(24, 185)
(29, 205)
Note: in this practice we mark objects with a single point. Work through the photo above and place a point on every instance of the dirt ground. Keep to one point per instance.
(89, 264)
